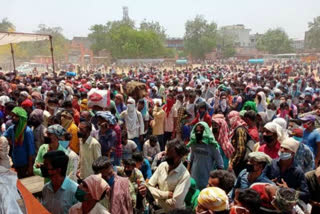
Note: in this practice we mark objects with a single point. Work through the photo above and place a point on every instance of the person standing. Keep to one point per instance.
(134, 123)
(68, 123)
(90, 150)
(170, 183)
(205, 154)
(58, 195)
(158, 124)
(20, 136)
(170, 119)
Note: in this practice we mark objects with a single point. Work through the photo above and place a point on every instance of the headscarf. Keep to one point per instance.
(263, 116)
(283, 123)
(96, 185)
(235, 121)
(84, 105)
(251, 105)
(223, 138)
(37, 115)
(207, 136)
(106, 115)
(132, 115)
(65, 123)
(263, 100)
(27, 103)
(22, 124)
(36, 95)
(120, 97)
(275, 128)
(57, 130)
(168, 106)
(213, 199)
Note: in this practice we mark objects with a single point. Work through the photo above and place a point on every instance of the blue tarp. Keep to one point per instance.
(256, 61)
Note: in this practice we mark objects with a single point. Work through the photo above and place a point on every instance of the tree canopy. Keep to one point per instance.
(124, 40)
(200, 37)
(275, 41)
(313, 35)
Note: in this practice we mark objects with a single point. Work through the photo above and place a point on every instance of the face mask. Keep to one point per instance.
(306, 125)
(199, 136)
(223, 105)
(128, 172)
(110, 181)
(81, 135)
(170, 161)
(47, 140)
(268, 138)
(80, 195)
(250, 168)
(82, 119)
(64, 143)
(44, 171)
(284, 156)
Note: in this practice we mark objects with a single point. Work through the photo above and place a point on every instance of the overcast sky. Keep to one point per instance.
(76, 16)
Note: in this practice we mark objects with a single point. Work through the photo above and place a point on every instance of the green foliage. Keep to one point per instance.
(123, 40)
(275, 42)
(226, 44)
(313, 35)
(200, 37)
(6, 25)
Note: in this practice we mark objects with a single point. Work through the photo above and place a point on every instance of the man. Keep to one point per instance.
(158, 123)
(205, 154)
(253, 173)
(128, 146)
(119, 187)
(90, 149)
(250, 118)
(272, 137)
(142, 164)
(134, 123)
(170, 183)
(20, 136)
(313, 181)
(59, 193)
(311, 136)
(170, 119)
(222, 179)
(150, 148)
(285, 173)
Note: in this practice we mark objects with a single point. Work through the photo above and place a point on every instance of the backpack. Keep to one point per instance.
(249, 145)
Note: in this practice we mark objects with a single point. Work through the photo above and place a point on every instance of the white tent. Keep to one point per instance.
(14, 37)
(11, 38)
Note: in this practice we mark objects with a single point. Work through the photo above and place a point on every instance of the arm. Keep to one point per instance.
(303, 190)
(141, 122)
(317, 158)
(217, 157)
(38, 161)
(153, 182)
(31, 150)
(180, 192)
(145, 152)
(96, 150)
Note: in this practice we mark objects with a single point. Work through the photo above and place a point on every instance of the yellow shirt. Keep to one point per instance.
(74, 142)
(158, 123)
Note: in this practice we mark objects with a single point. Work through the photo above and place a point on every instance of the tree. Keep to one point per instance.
(275, 41)
(155, 27)
(123, 40)
(313, 35)
(200, 37)
(226, 43)
(6, 25)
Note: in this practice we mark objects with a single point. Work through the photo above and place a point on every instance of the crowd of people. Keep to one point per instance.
(225, 138)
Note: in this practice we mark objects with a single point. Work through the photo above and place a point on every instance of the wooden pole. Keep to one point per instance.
(13, 61)
(52, 58)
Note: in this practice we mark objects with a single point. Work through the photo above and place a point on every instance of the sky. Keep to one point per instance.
(76, 16)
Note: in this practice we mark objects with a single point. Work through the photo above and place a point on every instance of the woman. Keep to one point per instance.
(67, 122)
(239, 136)
(261, 102)
(220, 131)
(89, 193)
(205, 155)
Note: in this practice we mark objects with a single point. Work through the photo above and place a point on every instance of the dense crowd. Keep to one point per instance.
(224, 138)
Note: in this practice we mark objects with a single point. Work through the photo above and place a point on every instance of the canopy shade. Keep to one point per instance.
(12, 37)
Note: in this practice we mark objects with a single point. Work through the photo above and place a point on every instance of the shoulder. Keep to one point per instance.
(71, 185)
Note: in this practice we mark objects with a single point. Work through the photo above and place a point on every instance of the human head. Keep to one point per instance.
(85, 116)
(153, 140)
(85, 129)
(250, 117)
(285, 199)
(129, 165)
(138, 158)
(176, 150)
(212, 199)
(272, 132)
(55, 164)
(94, 188)
(55, 133)
(248, 199)
(140, 105)
(309, 122)
(222, 179)
(257, 162)
(288, 149)
(104, 166)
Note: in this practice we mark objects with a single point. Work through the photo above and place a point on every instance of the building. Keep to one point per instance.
(238, 33)
(297, 44)
(254, 39)
(176, 43)
(79, 51)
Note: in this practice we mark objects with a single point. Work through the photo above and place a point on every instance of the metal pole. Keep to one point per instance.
(52, 58)
(13, 61)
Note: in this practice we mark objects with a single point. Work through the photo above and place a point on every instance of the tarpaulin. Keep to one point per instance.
(8, 37)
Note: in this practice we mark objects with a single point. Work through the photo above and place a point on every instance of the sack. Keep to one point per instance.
(97, 97)
(249, 146)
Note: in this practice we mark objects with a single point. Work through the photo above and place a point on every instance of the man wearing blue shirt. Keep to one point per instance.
(143, 165)
(58, 194)
(20, 136)
(311, 137)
